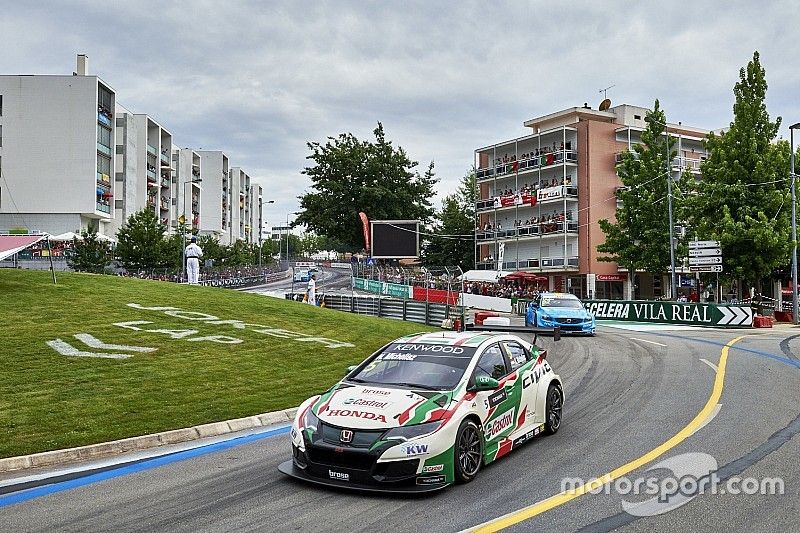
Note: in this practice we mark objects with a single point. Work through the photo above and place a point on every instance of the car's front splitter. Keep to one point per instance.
(290, 469)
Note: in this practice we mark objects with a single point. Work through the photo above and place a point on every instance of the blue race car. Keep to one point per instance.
(551, 309)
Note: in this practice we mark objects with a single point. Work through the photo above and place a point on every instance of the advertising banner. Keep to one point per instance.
(690, 314)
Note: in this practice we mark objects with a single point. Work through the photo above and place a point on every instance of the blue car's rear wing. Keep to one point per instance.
(555, 332)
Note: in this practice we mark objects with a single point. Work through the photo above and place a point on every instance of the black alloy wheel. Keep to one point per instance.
(553, 409)
(468, 451)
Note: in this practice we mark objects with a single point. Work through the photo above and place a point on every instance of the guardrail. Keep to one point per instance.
(431, 314)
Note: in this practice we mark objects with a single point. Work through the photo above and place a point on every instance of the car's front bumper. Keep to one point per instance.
(291, 469)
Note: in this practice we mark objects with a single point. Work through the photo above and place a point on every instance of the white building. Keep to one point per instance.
(187, 164)
(215, 202)
(57, 152)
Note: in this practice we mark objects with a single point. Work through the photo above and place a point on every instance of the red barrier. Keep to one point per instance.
(762, 321)
(784, 316)
(480, 316)
(437, 296)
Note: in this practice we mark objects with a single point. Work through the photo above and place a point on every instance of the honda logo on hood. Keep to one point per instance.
(346, 436)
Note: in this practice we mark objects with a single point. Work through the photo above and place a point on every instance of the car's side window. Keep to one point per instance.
(492, 363)
(516, 354)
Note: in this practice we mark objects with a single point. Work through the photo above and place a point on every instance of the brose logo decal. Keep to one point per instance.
(341, 476)
(375, 391)
(432, 468)
(499, 424)
(358, 414)
(415, 449)
(365, 403)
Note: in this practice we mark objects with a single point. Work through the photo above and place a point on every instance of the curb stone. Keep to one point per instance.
(143, 442)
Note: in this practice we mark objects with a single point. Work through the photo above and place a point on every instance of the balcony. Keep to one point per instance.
(103, 206)
(104, 117)
(542, 161)
(103, 149)
(689, 164)
(545, 263)
(165, 183)
(526, 232)
(151, 150)
(543, 196)
(103, 180)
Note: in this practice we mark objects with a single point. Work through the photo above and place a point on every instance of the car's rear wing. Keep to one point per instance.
(555, 332)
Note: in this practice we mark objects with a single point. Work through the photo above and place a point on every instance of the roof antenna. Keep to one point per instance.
(605, 91)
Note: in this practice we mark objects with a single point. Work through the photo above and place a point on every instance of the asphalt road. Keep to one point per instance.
(328, 280)
(626, 394)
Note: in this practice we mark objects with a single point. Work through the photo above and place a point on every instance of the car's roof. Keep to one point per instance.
(452, 338)
(560, 295)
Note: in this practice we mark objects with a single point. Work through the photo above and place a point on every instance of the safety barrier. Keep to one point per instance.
(432, 314)
(243, 281)
(690, 314)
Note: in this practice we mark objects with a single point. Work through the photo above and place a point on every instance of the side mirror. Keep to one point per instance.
(485, 383)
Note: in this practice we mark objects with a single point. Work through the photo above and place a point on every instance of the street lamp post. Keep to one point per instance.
(672, 290)
(794, 224)
(261, 229)
(183, 226)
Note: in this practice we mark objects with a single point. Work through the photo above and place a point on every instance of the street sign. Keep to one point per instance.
(704, 244)
(705, 268)
(716, 260)
(704, 252)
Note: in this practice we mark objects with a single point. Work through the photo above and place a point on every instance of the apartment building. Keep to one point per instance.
(257, 213)
(188, 182)
(541, 195)
(143, 172)
(57, 154)
(216, 200)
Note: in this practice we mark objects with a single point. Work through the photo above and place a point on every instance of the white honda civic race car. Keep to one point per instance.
(426, 411)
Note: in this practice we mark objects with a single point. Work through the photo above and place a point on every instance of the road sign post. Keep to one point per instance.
(706, 256)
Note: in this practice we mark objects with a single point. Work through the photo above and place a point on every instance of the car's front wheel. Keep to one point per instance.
(468, 451)
(553, 409)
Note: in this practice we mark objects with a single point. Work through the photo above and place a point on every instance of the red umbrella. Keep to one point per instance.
(526, 276)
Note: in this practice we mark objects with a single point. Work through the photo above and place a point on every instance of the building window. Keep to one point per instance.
(103, 164)
(117, 204)
(1, 105)
(119, 176)
(1, 135)
(637, 117)
(104, 136)
(105, 99)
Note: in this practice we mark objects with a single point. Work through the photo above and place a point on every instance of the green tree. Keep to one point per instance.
(743, 199)
(140, 242)
(89, 254)
(350, 175)
(452, 244)
(212, 249)
(639, 238)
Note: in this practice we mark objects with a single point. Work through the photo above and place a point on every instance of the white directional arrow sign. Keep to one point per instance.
(701, 252)
(704, 244)
(705, 268)
(67, 349)
(716, 260)
(735, 316)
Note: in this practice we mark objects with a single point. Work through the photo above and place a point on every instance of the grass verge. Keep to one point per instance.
(50, 401)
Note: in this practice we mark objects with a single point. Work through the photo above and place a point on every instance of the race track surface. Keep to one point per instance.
(627, 393)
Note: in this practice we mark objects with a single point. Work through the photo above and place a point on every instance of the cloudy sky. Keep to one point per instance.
(260, 79)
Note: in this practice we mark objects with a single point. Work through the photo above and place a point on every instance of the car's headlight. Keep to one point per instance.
(545, 316)
(310, 420)
(410, 432)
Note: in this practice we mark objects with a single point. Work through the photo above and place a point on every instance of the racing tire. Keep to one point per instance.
(467, 452)
(553, 409)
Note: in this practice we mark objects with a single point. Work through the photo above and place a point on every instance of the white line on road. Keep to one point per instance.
(647, 341)
(709, 363)
(710, 417)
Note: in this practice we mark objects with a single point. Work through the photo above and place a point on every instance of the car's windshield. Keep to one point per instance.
(428, 366)
(561, 301)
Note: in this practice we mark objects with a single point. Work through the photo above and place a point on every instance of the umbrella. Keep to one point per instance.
(525, 276)
(66, 237)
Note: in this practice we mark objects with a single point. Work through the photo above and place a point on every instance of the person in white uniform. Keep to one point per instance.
(193, 255)
(312, 289)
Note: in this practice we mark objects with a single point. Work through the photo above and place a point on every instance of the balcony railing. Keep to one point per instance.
(524, 165)
(686, 163)
(543, 263)
(103, 119)
(151, 150)
(102, 148)
(542, 228)
(543, 195)
(105, 207)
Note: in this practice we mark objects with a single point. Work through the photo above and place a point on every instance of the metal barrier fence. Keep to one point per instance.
(431, 314)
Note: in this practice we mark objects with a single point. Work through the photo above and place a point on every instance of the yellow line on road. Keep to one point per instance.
(563, 497)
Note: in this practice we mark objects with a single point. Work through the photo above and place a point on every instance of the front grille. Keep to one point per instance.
(361, 438)
(396, 469)
(571, 320)
(340, 457)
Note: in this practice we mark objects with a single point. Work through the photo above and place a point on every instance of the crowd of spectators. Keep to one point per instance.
(539, 152)
(528, 189)
(503, 289)
(164, 274)
(548, 223)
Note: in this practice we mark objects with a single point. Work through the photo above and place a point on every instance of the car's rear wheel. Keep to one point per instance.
(553, 409)
(468, 451)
